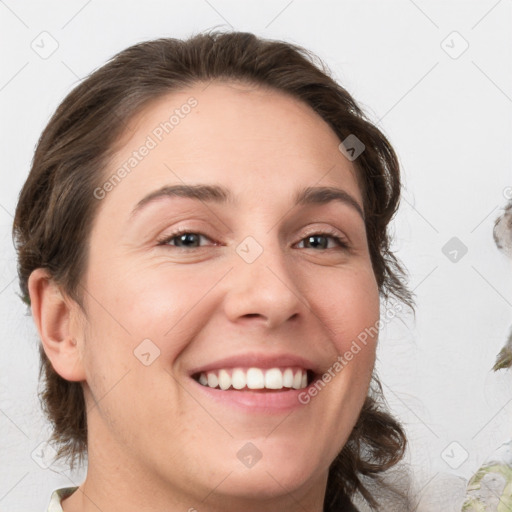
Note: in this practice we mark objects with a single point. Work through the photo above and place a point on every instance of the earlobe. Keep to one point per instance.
(52, 315)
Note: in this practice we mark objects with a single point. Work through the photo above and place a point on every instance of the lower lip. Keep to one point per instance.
(270, 402)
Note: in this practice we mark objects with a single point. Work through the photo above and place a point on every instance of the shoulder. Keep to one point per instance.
(57, 496)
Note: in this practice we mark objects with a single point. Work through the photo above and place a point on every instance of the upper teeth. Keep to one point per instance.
(255, 378)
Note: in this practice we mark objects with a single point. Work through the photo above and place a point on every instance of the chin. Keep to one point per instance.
(277, 472)
(264, 484)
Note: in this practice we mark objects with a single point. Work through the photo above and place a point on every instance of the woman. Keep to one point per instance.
(203, 243)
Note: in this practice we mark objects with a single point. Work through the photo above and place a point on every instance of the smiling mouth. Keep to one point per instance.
(256, 379)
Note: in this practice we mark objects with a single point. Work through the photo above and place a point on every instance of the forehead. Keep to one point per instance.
(249, 138)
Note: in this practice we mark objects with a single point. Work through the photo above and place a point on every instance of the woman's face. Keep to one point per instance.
(259, 282)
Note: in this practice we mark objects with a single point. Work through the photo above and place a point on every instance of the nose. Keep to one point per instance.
(265, 291)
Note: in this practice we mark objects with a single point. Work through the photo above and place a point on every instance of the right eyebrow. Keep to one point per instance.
(206, 193)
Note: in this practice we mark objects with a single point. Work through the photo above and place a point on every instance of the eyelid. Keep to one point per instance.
(324, 230)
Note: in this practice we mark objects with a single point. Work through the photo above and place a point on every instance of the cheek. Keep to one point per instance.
(134, 296)
(348, 305)
(170, 303)
(167, 303)
(349, 308)
(164, 303)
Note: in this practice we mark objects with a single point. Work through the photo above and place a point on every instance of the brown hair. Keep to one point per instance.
(56, 206)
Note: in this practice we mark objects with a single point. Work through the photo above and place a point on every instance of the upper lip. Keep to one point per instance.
(255, 360)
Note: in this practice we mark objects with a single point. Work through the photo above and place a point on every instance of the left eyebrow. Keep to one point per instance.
(222, 195)
(324, 195)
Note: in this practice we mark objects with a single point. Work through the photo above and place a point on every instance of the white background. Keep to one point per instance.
(450, 121)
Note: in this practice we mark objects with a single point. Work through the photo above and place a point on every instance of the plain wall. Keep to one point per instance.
(448, 114)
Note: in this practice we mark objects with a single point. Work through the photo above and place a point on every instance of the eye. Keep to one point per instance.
(184, 239)
(316, 240)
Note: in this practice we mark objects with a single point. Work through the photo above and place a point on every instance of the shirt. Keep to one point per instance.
(57, 496)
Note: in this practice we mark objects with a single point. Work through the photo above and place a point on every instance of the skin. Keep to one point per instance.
(155, 442)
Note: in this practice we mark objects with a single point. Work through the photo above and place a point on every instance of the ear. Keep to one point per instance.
(55, 319)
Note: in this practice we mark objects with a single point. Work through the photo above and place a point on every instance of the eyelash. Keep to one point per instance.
(342, 243)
